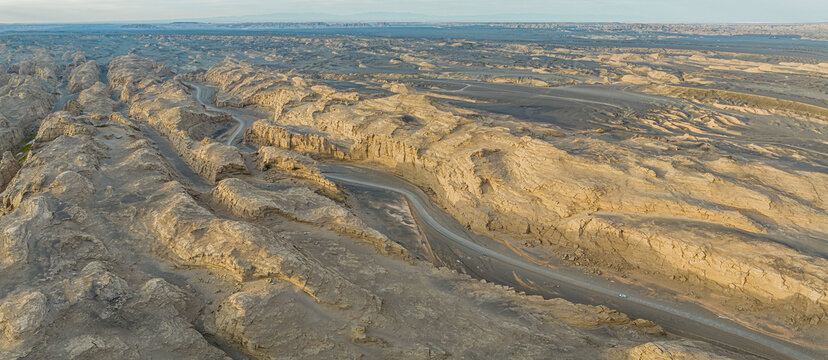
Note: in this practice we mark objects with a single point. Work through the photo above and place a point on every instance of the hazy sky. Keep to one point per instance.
(511, 10)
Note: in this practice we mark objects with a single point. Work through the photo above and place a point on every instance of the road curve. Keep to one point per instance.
(502, 266)
(244, 121)
(681, 318)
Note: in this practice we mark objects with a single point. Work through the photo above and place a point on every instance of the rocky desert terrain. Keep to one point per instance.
(526, 191)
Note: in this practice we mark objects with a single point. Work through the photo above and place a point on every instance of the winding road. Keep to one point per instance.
(203, 94)
(488, 259)
(503, 266)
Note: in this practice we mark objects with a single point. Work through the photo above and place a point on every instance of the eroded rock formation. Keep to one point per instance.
(88, 202)
(129, 231)
(97, 102)
(24, 101)
(299, 203)
(8, 169)
(270, 157)
(622, 206)
(169, 108)
(84, 76)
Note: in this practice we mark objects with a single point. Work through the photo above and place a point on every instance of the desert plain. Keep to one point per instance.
(414, 191)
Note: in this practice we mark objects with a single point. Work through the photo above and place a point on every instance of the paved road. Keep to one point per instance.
(203, 94)
(503, 266)
(487, 259)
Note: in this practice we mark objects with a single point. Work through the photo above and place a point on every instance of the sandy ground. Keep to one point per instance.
(683, 186)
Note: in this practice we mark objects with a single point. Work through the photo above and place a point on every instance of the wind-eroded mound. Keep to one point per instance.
(24, 101)
(299, 203)
(104, 253)
(270, 157)
(84, 76)
(167, 106)
(97, 102)
(733, 225)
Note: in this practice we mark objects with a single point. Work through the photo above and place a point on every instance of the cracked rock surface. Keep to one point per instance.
(131, 229)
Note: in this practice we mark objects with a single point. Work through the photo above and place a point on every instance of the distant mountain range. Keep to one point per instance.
(376, 17)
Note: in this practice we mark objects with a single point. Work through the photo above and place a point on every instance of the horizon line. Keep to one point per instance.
(163, 22)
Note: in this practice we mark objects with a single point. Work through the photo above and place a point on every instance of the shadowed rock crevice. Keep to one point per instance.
(161, 199)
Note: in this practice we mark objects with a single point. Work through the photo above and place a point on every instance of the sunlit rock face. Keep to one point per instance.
(84, 76)
(662, 213)
(130, 227)
(24, 100)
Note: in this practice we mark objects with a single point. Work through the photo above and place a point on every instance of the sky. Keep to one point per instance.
(49, 11)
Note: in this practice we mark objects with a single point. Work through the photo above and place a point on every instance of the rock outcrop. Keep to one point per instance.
(10, 135)
(63, 123)
(302, 204)
(244, 251)
(20, 228)
(24, 101)
(215, 161)
(8, 169)
(673, 350)
(265, 133)
(21, 316)
(269, 157)
(38, 65)
(96, 101)
(569, 192)
(172, 111)
(84, 288)
(72, 58)
(84, 76)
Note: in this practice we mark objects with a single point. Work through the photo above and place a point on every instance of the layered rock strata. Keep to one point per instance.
(25, 98)
(96, 101)
(302, 204)
(104, 253)
(728, 223)
(266, 133)
(8, 169)
(84, 76)
(270, 157)
(172, 111)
